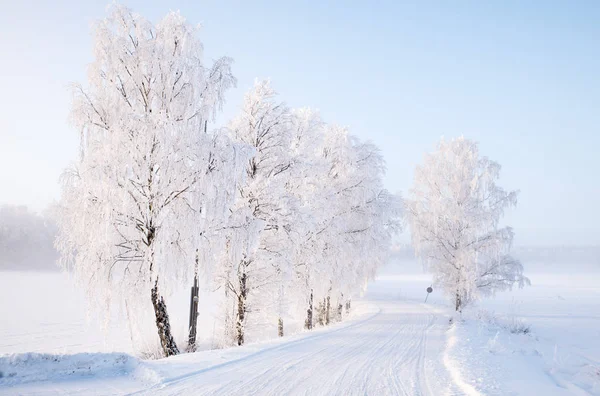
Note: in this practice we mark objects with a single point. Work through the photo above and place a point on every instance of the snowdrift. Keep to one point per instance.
(39, 367)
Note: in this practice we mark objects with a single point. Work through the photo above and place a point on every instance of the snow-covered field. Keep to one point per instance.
(544, 339)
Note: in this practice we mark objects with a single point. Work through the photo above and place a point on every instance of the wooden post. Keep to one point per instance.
(193, 323)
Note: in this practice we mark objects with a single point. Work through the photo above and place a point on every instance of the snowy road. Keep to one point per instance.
(393, 344)
(397, 351)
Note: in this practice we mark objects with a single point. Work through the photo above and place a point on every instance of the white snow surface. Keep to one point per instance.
(392, 344)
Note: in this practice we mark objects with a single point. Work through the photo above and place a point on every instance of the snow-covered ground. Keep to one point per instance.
(392, 344)
(543, 339)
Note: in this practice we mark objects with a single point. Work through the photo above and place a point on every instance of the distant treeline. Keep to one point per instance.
(534, 257)
(26, 240)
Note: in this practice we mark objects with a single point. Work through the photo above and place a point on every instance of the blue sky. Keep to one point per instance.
(522, 78)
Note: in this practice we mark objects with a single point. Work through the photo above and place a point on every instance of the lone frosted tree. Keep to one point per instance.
(131, 205)
(453, 210)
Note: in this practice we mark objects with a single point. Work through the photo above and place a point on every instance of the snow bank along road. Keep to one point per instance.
(399, 348)
(395, 351)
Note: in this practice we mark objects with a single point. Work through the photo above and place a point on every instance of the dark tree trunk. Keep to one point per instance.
(458, 302)
(327, 314)
(340, 308)
(162, 323)
(280, 327)
(193, 316)
(321, 312)
(348, 306)
(241, 311)
(308, 325)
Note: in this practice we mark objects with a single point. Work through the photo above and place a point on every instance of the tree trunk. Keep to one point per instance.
(327, 316)
(193, 316)
(340, 308)
(321, 313)
(162, 323)
(348, 306)
(308, 325)
(280, 328)
(228, 319)
(458, 301)
(241, 311)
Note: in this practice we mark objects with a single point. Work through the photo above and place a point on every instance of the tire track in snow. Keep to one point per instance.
(282, 347)
(387, 353)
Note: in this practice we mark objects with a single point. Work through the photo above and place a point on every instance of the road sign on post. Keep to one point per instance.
(429, 290)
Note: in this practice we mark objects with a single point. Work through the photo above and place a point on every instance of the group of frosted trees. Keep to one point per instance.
(280, 213)
(283, 216)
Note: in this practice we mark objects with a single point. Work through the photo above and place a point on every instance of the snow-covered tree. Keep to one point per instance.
(454, 211)
(307, 185)
(355, 218)
(261, 218)
(312, 221)
(149, 177)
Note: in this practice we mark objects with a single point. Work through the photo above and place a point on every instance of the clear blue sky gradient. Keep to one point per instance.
(521, 77)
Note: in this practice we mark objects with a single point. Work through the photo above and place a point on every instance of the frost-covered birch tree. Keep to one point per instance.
(133, 206)
(454, 210)
(311, 222)
(355, 221)
(307, 185)
(262, 214)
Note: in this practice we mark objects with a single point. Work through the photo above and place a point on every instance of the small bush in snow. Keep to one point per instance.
(517, 326)
(512, 322)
